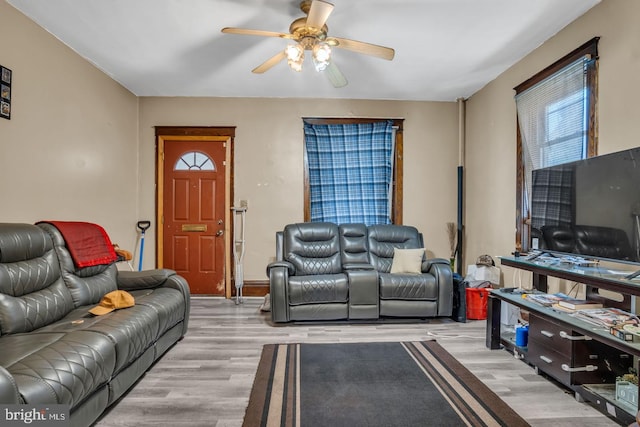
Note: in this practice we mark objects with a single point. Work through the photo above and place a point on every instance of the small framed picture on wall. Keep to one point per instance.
(5, 92)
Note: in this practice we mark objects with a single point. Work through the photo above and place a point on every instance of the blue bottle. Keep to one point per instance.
(522, 335)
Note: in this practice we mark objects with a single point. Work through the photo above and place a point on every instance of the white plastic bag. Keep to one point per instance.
(482, 273)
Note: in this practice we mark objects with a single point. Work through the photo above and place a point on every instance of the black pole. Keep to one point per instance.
(460, 225)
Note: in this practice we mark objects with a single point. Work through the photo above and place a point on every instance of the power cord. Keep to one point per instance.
(517, 279)
(575, 284)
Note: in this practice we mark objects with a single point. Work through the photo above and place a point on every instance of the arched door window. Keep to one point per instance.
(194, 160)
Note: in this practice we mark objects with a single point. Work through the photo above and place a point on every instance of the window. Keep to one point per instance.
(194, 160)
(352, 170)
(556, 113)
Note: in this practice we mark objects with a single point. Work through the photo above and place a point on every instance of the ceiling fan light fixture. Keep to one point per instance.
(294, 52)
(322, 52)
(310, 33)
(321, 55)
(320, 65)
(296, 65)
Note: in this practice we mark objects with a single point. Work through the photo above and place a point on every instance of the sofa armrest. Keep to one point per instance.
(8, 388)
(158, 278)
(441, 270)
(279, 273)
(147, 279)
(428, 264)
(291, 269)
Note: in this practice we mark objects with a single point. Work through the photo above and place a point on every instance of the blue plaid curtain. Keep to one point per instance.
(350, 172)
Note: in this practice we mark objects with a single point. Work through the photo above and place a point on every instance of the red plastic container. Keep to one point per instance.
(477, 299)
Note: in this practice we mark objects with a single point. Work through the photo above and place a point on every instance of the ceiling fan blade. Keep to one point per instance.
(362, 47)
(335, 76)
(266, 66)
(246, 32)
(319, 13)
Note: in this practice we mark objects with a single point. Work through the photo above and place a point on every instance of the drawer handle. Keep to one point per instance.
(566, 336)
(547, 333)
(546, 359)
(587, 368)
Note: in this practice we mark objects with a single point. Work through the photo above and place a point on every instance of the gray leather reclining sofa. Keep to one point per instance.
(52, 351)
(328, 272)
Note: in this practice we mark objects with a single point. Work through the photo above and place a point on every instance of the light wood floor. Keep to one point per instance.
(205, 380)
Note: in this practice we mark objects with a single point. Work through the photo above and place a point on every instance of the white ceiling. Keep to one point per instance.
(445, 49)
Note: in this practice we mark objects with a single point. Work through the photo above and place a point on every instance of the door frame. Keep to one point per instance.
(213, 134)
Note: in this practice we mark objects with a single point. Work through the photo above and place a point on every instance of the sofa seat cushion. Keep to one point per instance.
(168, 304)
(58, 368)
(321, 288)
(132, 330)
(408, 286)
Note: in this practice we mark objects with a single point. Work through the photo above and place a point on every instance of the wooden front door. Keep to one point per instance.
(194, 219)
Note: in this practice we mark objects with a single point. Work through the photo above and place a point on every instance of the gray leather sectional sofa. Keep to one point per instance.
(325, 271)
(52, 351)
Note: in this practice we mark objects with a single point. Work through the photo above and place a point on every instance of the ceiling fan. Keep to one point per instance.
(310, 33)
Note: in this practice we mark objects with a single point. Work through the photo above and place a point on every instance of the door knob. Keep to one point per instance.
(220, 233)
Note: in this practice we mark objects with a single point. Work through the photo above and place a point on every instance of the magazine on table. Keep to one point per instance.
(546, 299)
(607, 316)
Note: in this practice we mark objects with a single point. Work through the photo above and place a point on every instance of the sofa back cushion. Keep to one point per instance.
(606, 242)
(353, 243)
(88, 284)
(558, 238)
(312, 248)
(32, 292)
(384, 238)
(590, 240)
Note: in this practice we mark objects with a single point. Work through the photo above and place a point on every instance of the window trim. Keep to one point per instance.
(589, 48)
(396, 202)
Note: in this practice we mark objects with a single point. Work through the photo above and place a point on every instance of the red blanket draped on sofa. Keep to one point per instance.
(88, 243)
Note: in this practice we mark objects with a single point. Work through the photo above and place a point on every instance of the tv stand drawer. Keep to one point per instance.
(549, 362)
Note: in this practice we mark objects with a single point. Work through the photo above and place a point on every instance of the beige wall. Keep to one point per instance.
(491, 120)
(69, 151)
(269, 160)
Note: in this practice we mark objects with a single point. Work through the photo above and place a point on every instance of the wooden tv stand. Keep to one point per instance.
(582, 357)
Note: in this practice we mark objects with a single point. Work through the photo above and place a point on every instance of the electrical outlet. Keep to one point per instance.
(244, 204)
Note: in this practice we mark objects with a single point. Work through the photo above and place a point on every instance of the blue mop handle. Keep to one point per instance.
(143, 226)
(141, 251)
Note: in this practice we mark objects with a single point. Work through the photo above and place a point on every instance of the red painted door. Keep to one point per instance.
(193, 199)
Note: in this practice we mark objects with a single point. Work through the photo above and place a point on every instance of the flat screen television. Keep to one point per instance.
(589, 208)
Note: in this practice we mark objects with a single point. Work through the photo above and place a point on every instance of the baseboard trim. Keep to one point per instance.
(253, 288)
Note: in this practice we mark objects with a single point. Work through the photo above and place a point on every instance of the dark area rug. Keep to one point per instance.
(370, 384)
